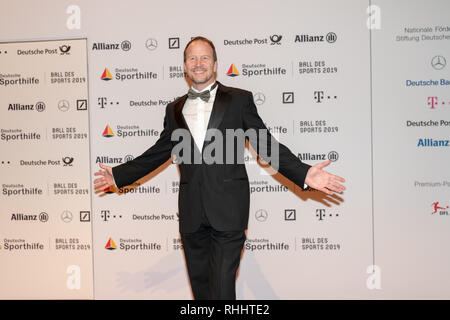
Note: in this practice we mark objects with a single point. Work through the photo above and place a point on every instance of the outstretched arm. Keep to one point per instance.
(289, 165)
(127, 173)
(286, 162)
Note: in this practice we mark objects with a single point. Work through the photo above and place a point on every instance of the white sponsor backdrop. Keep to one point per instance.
(326, 85)
(45, 212)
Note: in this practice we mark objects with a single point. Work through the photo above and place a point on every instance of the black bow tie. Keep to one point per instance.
(204, 95)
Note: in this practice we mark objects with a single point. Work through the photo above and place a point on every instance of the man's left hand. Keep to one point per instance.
(323, 181)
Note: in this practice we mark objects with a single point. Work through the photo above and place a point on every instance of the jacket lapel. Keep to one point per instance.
(221, 102)
(179, 113)
(181, 122)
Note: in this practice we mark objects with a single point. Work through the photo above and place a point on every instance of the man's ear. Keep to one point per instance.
(215, 66)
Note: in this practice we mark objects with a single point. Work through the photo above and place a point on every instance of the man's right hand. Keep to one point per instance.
(106, 180)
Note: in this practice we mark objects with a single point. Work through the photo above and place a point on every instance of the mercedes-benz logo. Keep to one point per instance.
(259, 98)
(261, 215)
(63, 105)
(151, 44)
(438, 62)
(66, 216)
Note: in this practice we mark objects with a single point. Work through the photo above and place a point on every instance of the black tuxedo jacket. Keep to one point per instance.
(221, 189)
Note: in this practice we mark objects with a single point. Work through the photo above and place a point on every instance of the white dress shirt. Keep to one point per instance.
(197, 112)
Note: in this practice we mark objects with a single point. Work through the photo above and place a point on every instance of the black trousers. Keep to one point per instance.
(212, 259)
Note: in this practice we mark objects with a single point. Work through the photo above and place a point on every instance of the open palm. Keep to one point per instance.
(323, 181)
(106, 179)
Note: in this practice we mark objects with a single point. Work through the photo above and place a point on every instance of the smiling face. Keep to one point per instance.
(200, 65)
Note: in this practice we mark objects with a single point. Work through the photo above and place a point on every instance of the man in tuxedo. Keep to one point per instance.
(214, 196)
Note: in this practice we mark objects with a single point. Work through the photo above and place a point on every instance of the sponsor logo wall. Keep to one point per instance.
(411, 108)
(45, 212)
(324, 87)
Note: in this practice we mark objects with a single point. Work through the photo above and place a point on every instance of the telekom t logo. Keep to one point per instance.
(432, 101)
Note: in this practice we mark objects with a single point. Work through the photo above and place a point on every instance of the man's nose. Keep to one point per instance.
(198, 62)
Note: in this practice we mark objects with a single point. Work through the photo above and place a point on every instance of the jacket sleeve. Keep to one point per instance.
(288, 164)
(127, 173)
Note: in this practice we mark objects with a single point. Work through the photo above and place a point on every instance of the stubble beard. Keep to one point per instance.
(200, 82)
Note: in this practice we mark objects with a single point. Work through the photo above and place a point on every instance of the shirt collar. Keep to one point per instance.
(207, 88)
